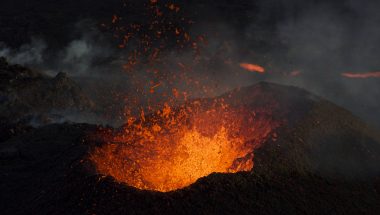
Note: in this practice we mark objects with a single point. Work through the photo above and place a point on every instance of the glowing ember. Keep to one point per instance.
(362, 75)
(172, 149)
(252, 67)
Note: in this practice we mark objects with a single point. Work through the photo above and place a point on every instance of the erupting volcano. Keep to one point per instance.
(175, 145)
(173, 148)
(189, 107)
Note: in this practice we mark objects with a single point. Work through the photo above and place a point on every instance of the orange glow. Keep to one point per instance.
(252, 67)
(295, 73)
(174, 148)
(361, 75)
(170, 147)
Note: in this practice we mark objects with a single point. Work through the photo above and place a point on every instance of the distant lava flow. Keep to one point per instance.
(173, 148)
(252, 67)
(361, 75)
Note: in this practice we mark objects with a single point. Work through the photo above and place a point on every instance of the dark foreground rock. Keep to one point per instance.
(325, 162)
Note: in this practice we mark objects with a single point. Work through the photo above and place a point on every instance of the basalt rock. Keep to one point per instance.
(25, 94)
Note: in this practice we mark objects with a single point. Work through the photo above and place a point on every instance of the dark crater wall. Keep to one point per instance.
(45, 171)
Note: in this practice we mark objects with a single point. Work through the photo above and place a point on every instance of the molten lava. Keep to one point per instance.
(361, 75)
(252, 67)
(171, 149)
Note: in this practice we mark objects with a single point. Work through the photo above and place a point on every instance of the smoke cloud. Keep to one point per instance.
(303, 43)
(27, 54)
(326, 39)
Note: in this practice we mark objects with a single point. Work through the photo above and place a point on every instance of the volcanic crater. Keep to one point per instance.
(268, 156)
(172, 148)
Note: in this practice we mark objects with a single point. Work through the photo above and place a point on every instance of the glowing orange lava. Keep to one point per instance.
(173, 148)
(361, 75)
(170, 147)
(252, 67)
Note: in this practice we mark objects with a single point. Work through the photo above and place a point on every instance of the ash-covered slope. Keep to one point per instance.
(310, 168)
(26, 92)
(319, 137)
(328, 141)
(27, 96)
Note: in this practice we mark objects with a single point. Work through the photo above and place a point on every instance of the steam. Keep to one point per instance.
(27, 54)
(79, 54)
(90, 60)
(321, 40)
(318, 41)
(303, 43)
(83, 57)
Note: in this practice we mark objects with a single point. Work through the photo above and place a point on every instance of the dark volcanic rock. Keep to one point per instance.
(25, 93)
(328, 141)
(312, 168)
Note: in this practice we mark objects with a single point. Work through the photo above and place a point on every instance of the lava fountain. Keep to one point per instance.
(172, 148)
